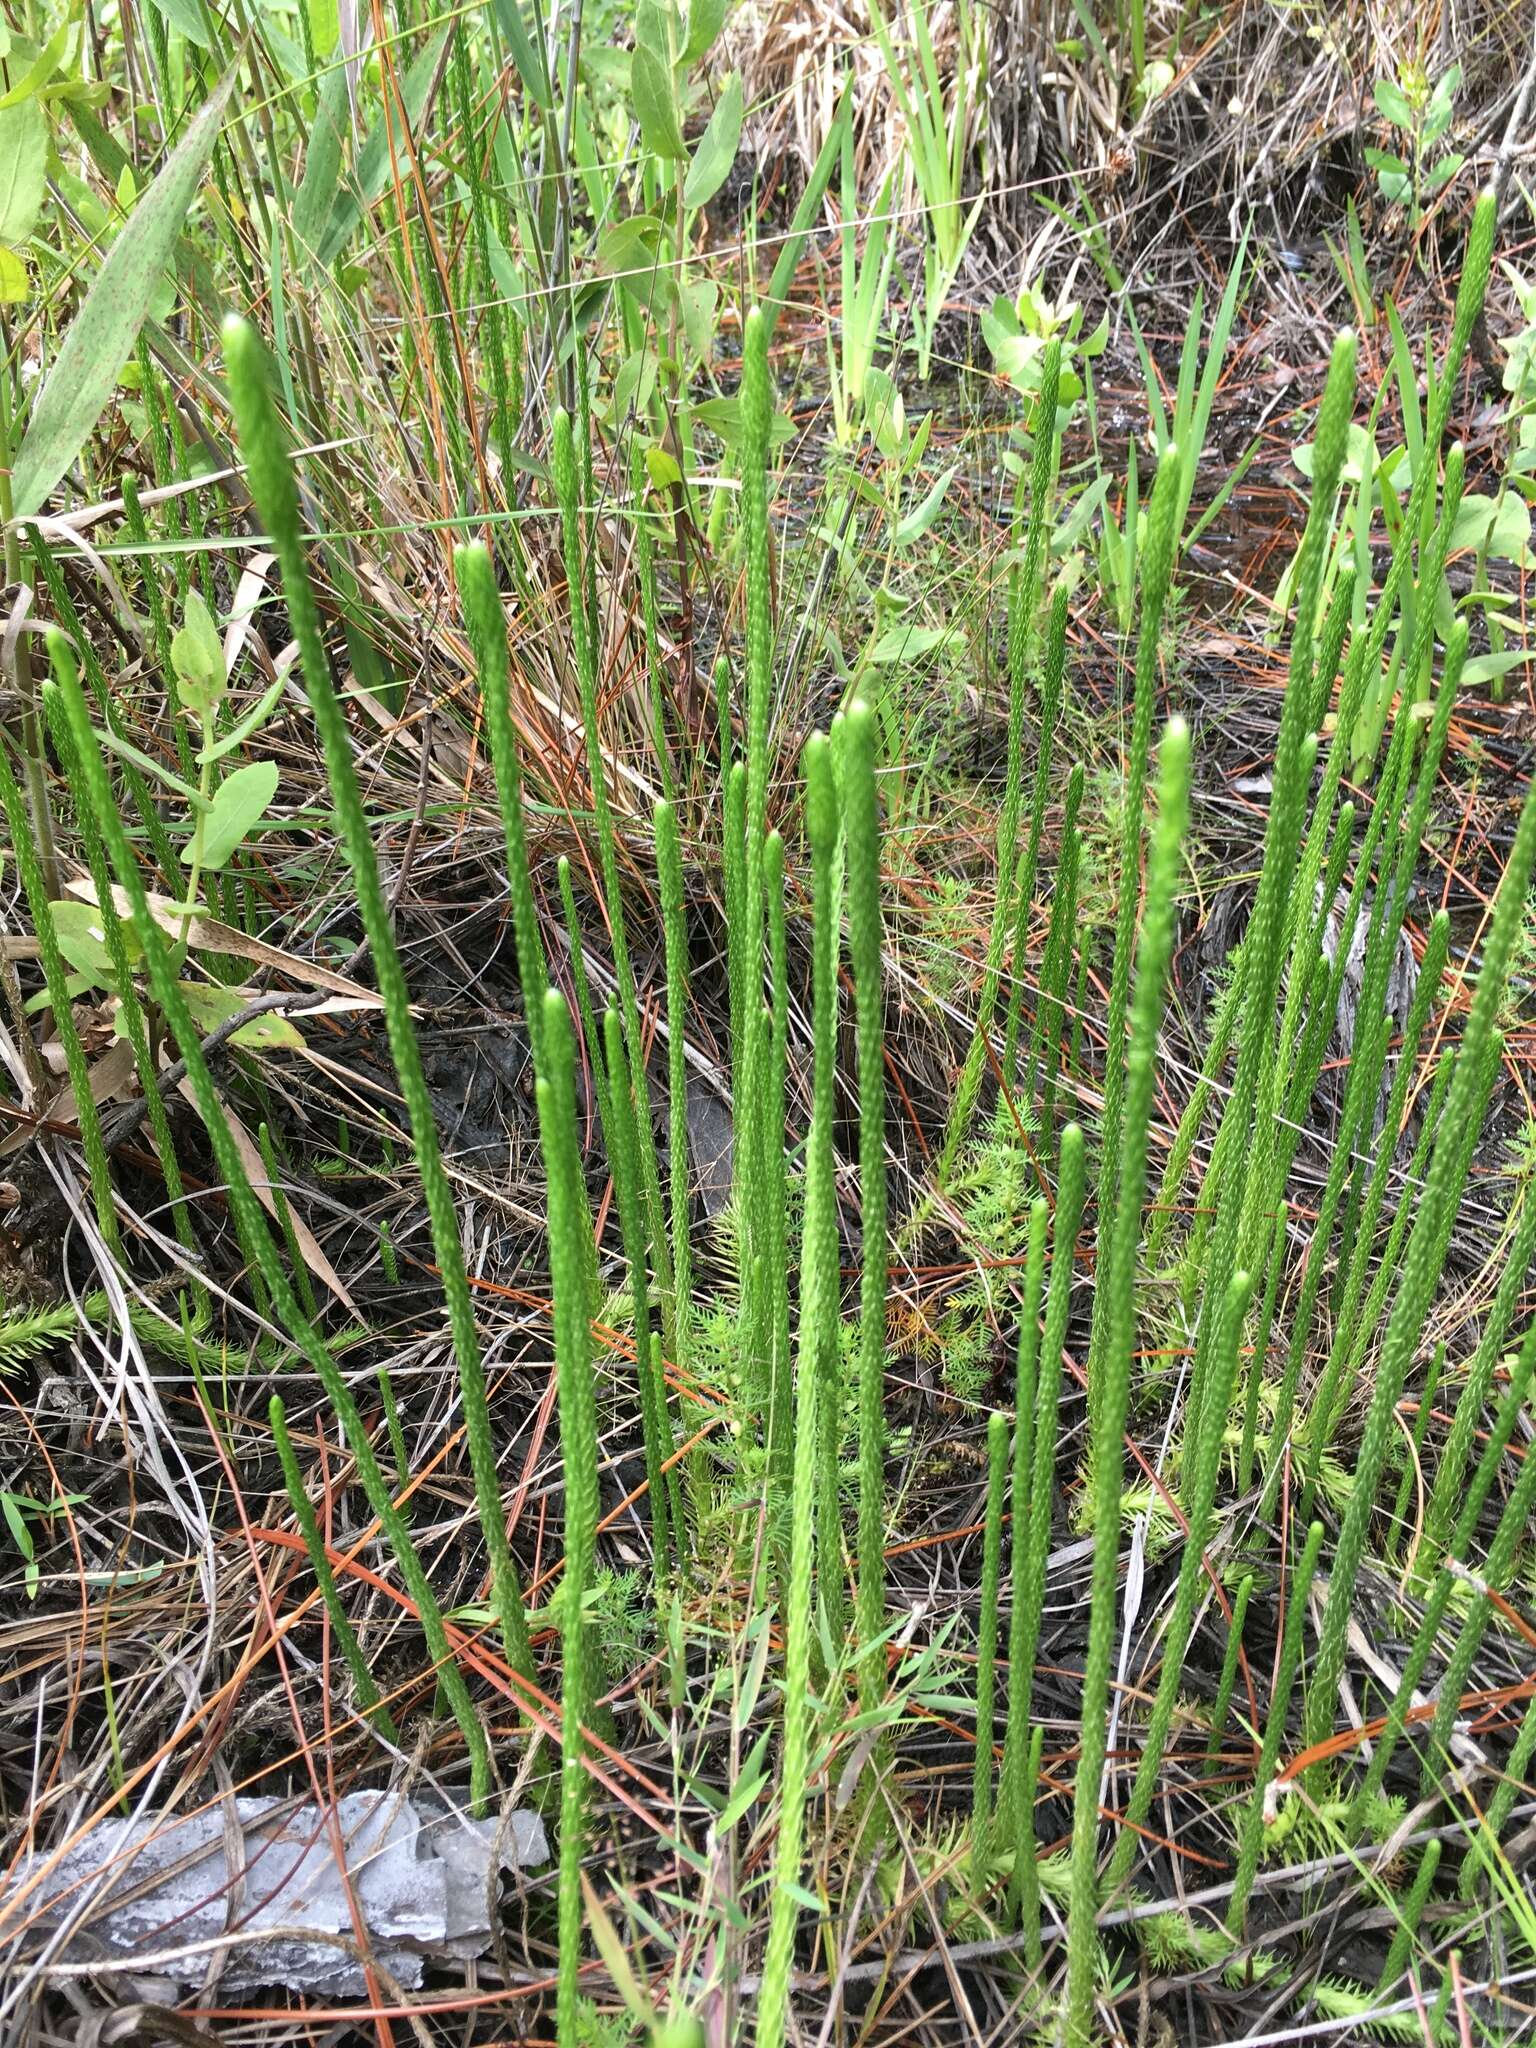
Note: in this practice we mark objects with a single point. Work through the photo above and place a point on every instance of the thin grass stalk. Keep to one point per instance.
(1425, 1255)
(1221, 1705)
(370, 1701)
(622, 1159)
(1251, 1828)
(986, 1649)
(818, 1317)
(570, 1224)
(24, 848)
(1024, 596)
(1205, 1455)
(1153, 952)
(488, 638)
(272, 486)
(252, 1227)
(862, 837)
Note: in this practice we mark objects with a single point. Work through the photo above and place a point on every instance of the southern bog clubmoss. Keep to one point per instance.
(573, 938)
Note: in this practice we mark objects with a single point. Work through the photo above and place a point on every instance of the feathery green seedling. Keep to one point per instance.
(816, 1335)
(369, 1698)
(272, 486)
(1205, 1466)
(655, 1433)
(570, 1224)
(56, 980)
(1223, 1700)
(1117, 1278)
(861, 826)
(1251, 1829)
(488, 638)
(97, 790)
(986, 1647)
(776, 1271)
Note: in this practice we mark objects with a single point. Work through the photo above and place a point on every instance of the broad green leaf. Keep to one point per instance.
(1483, 668)
(530, 65)
(187, 17)
(212, 1007)
(1391, 102)
(1502, 524)
(700, 301)
(630, 246)
(41, 69)
(905, 643)
(77, 927)
(197, 655)
(654, 92)
(324, 26)
(102, 335)
(238, 735)
(706, 18)
(23, 169)
(322, 162)
(371, 170)
(238, 802)
(13, 277)
(716, 152)
(661, 468)
(918, 521)
(722, 416)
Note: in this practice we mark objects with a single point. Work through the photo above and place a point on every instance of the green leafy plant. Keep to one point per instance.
(1420, 111)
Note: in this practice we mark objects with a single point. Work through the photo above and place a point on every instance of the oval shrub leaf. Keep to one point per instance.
(105, 329)
(716, 152)
(23, 169)
(238, 803)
